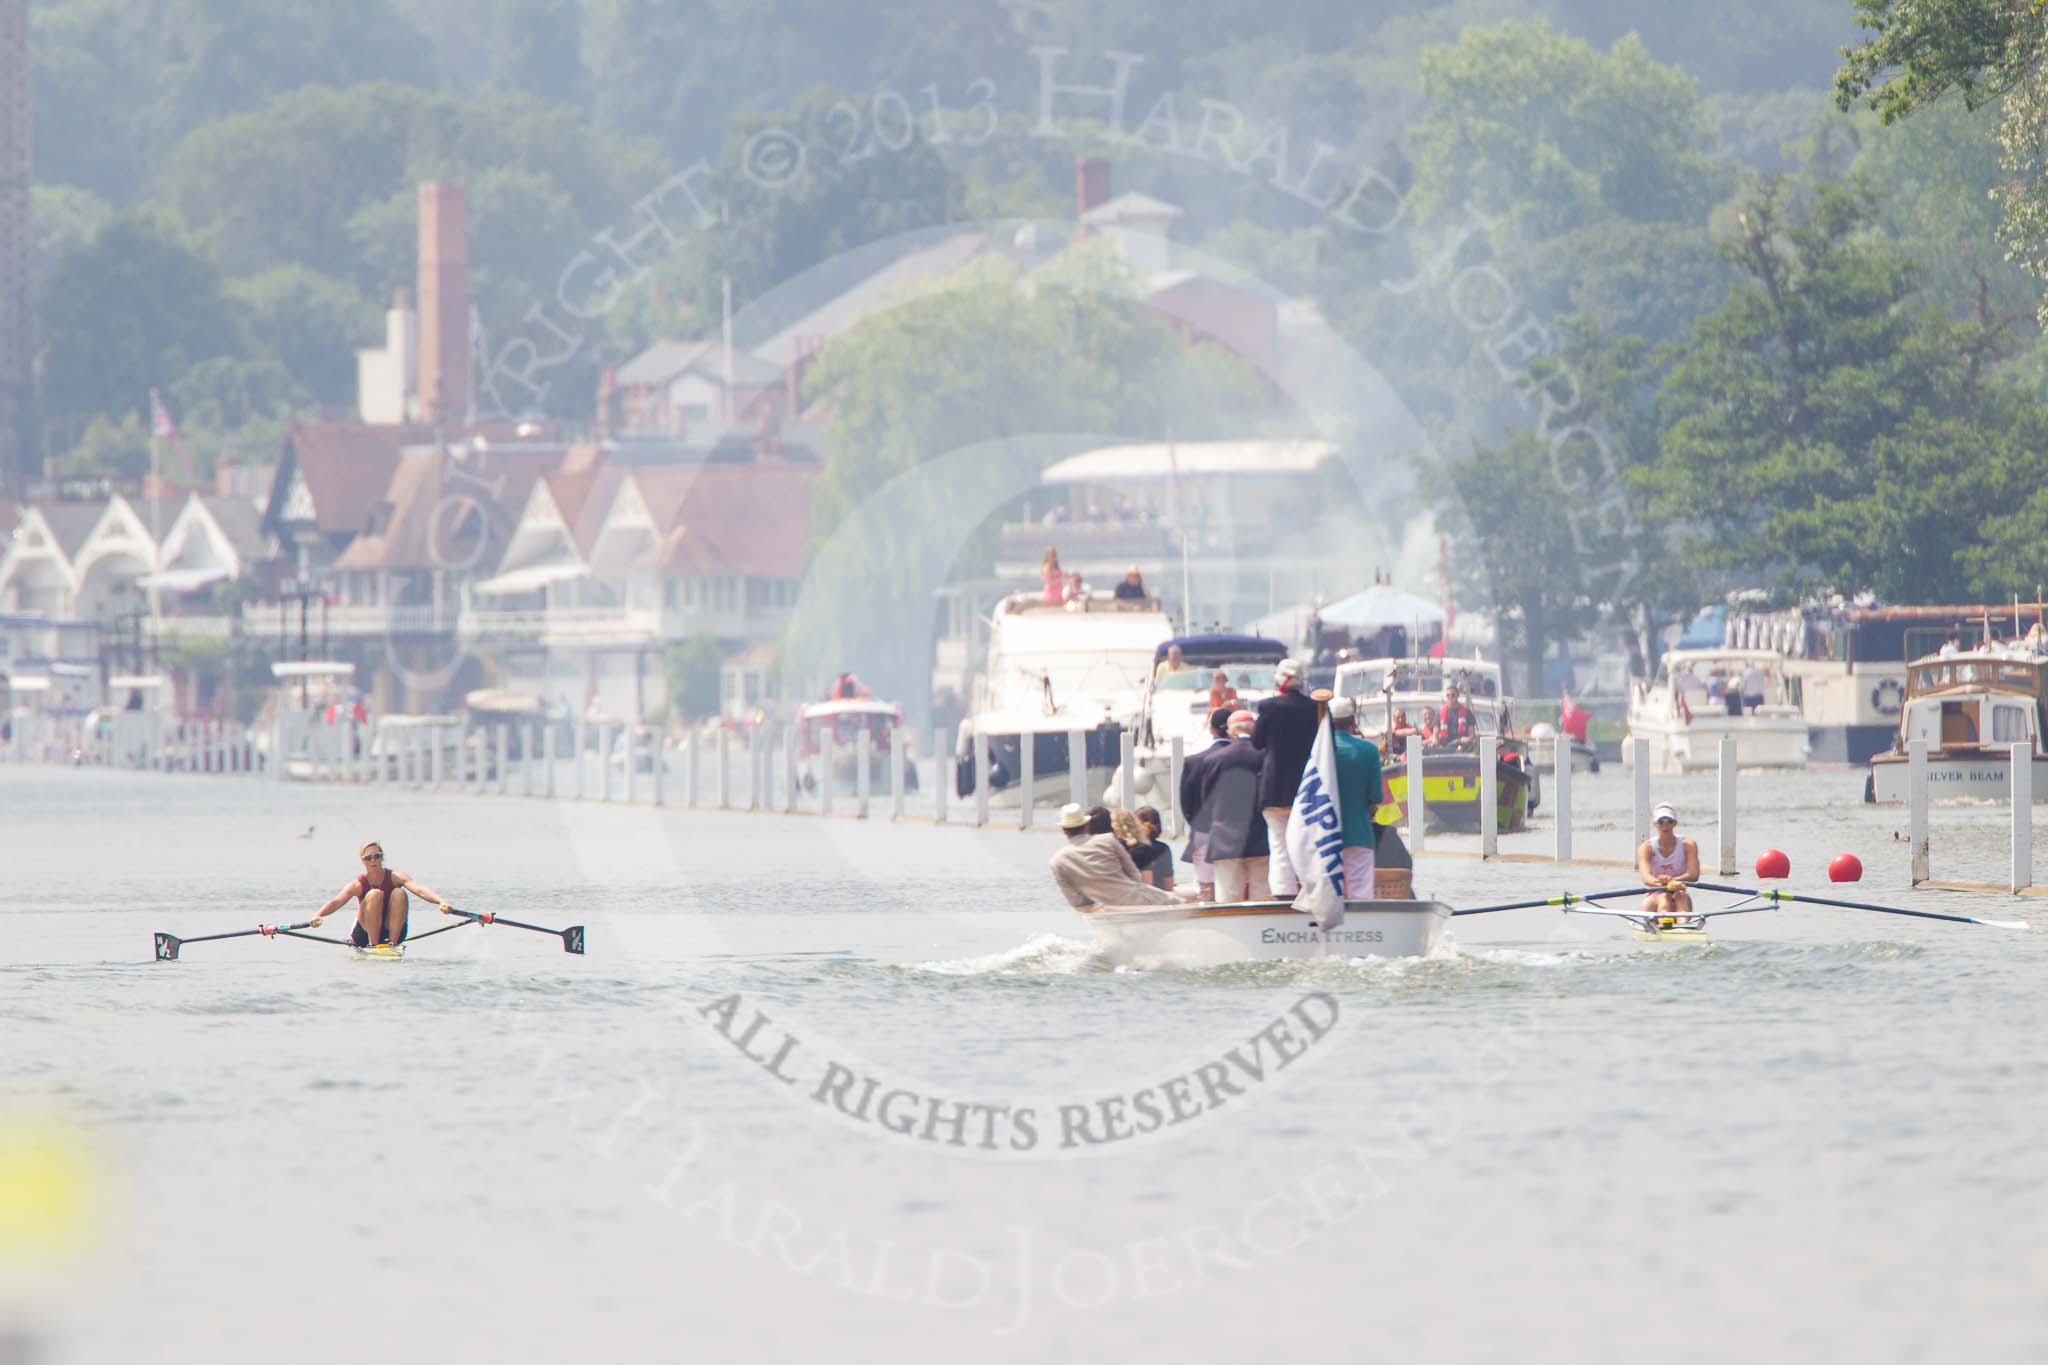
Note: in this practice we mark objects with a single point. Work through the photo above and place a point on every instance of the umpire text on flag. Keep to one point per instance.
(1315, 835)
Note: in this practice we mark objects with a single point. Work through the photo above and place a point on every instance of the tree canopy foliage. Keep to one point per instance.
(1794, 329)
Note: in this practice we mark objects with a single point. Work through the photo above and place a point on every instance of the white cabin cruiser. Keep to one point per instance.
(1971, 708)
(1055, 669)
(1685, 718)
(1174, 704)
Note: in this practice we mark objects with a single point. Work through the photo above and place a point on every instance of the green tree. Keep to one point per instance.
(135, 309)
(1525, 562)
(537, 47)
(312, 324)
(1826, 425)
(1985, 52)
(117, 84)
(1023, 368)
(1528, 123)
(691, 669)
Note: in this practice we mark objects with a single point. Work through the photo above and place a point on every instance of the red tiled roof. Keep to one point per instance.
(585, 499)
(448, 513)
(347, 466)
(752, 519)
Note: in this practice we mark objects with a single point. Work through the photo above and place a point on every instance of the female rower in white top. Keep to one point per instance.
(1666, 863)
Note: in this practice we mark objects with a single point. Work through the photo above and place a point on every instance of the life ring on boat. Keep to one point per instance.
(1887, 697)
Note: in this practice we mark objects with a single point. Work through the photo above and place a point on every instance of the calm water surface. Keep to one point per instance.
(1818, 1139)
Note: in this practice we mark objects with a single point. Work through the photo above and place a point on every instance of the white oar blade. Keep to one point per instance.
(2003, 923)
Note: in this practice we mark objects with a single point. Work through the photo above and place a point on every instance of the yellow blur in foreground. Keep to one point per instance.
(46, 1189)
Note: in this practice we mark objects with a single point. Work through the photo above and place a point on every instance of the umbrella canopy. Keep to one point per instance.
(1379, 607)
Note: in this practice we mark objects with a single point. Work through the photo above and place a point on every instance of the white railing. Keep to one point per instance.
(562, 621)
(192, 627)
(405, 618)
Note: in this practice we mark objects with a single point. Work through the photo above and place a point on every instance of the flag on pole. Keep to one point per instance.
(161, 428)
(1315, 834)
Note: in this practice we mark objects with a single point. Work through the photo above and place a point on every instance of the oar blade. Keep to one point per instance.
(167, 946)
(2004, 923)
(572, 939)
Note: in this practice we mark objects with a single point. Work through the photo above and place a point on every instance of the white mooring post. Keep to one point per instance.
(863, 778)
(690, 766)
(1027, 778)
(897, 759)
(828, 759)
(577, 756)
(1177, 757)
(440, 754)
(942, 774)
(1418, 801)
(501, 755)
(1489, 796)
(2022, 817)
(981, 776)
(660, 739)
(724, 767)
(633, 738)
(1561, 795)
(757, 770)
(1727, 806)
(1916, 803)
(1077, 767)
(792, 780)
(529, 741)
(1640, 754)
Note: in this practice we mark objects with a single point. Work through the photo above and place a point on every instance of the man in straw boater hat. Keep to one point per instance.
(1666, 863)
(1094, 869)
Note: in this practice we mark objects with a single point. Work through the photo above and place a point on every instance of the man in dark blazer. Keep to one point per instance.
(1230, 802)
(1286, 731)
(1191, 809)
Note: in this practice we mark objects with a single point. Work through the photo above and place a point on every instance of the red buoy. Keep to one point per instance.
(1773, 864)
(1845, 867)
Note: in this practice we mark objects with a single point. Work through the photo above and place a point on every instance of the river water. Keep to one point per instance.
(833, 1090)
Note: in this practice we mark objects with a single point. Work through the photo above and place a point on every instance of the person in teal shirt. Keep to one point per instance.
(1359, 794)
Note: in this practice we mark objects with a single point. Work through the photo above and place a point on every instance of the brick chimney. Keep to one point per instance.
(1091, 184)
(444, 304)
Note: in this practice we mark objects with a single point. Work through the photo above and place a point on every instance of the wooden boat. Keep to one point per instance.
(1971, 708)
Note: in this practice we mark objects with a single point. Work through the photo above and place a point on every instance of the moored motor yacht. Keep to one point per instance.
(1971, 708)
(1684, 718)
(1054, 670)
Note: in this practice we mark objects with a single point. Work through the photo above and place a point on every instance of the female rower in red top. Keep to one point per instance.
(382, 892)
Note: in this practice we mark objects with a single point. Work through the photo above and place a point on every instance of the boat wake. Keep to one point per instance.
(1047, 954)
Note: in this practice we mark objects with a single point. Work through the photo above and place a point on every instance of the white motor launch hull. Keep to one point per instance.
(1763, 743)
(1202, 935)
(1978, 778)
